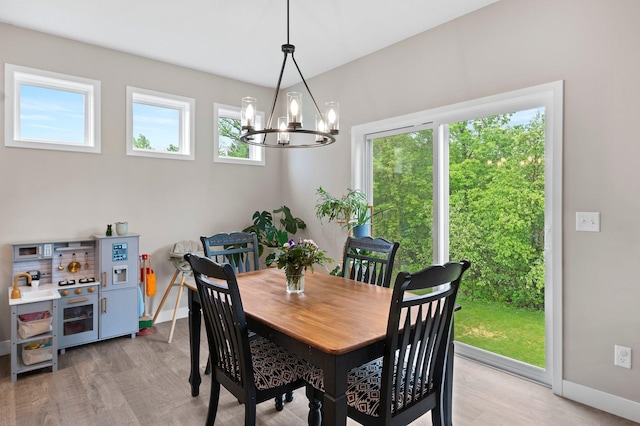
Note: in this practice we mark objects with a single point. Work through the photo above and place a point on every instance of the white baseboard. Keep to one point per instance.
(165, 316)
(602, 401)
(5, 346)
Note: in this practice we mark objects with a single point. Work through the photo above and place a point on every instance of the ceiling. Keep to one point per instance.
(240, 39)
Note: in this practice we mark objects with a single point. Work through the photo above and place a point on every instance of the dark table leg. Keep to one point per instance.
(194, 342)
(334, 404)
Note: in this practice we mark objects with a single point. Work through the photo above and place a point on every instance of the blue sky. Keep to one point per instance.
(160, 125)
(51, 115)
(58, 116)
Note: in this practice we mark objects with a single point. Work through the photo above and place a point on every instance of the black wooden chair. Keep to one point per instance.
(369, 260)
(239, 249)
(253, 371)
(408, 381)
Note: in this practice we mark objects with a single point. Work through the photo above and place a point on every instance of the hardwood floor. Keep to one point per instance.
(143, 381)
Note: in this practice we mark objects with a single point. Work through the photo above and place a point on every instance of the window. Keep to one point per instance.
(160, 125)
(227, 147)
(47, 110)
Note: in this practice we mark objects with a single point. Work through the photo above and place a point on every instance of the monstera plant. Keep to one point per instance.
(274, 229)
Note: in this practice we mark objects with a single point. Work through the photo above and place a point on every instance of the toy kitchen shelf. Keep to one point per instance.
(22, 362)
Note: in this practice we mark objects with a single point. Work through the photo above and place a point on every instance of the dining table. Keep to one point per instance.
(336, 324)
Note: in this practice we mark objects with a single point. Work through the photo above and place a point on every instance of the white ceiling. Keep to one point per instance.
(240, 39)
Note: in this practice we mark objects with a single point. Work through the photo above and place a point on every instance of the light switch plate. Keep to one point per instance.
(588, 221)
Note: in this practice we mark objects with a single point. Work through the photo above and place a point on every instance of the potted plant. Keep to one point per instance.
(273, 230)
(351, 210)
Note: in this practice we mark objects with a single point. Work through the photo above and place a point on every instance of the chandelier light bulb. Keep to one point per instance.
(248, 113)
(283, 136)
(294, 112)
(332, 111)
(320, 127)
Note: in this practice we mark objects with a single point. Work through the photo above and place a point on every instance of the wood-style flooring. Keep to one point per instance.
(144, 381)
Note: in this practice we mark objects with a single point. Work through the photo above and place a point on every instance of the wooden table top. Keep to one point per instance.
(334, 315)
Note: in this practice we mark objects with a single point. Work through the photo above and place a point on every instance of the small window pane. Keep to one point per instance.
(229, 142)
(156, 128)
(51, 115)
(160, 125)
(228, 148)
(52, 111)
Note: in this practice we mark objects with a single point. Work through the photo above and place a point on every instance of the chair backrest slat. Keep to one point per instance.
(369, 260)
(239, 249)
(418, 333)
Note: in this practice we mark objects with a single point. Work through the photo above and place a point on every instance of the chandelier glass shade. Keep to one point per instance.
(289, 131)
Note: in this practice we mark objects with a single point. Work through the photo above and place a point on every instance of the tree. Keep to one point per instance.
(496, 210)
(496, 187)
(403, 190)
(141, 142)
(230, 129)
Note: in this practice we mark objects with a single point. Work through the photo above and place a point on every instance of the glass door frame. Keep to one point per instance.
(549, 96)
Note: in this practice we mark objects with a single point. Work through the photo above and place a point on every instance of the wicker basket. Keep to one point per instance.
(34, 323)
(34, 355)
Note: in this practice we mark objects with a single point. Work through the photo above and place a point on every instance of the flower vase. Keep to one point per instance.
(295, 281)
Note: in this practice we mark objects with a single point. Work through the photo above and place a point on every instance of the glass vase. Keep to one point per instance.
(295, 281)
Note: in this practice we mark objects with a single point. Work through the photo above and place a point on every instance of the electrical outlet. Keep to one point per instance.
(622, 356)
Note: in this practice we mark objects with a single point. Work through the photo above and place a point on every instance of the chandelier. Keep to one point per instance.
(289, 132)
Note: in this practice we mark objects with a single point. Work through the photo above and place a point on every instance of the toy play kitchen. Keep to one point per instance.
(86, 290)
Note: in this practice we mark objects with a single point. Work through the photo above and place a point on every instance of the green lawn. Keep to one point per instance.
(514, 333)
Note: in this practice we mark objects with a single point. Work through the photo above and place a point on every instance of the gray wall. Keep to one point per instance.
(50, 195)
(593, 46)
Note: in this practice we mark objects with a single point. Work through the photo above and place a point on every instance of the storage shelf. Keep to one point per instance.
(22, 368)
(41, 336)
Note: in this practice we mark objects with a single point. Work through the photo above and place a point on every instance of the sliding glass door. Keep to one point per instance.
(472, 184)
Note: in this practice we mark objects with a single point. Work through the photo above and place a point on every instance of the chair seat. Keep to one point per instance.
(273, 366)
(363, 386)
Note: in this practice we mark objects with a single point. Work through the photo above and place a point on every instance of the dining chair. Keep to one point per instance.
(252, 370)
(408, 380)
(369, 260)
(239, 249)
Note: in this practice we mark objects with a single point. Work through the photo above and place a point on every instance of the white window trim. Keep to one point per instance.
(256, 153)
(185, 105)
(16, 75)
(550, 96)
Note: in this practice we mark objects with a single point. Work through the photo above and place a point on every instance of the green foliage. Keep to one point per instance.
(141, 142)
(296, 257)
(230, 128)
(352, 209)
(497, 208)
(274, 231)
(403, 188)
